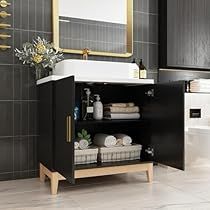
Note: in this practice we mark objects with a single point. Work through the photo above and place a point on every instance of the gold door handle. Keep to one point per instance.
(5, 25)
(4, 47)
(4, 14)
(4, 36)
(4, 3)
(68, 129)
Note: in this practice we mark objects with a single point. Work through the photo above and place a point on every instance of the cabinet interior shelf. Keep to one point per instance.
(93, 122)
(111, 164)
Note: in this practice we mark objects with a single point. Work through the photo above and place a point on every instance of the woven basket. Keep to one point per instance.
(86, 156)
(122, 153)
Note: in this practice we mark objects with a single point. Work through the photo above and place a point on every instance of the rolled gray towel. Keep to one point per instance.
(104, 140)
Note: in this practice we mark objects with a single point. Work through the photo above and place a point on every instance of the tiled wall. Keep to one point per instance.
(18, 101)
(101, 36)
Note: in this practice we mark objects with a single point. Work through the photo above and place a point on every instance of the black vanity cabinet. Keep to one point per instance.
(160, 130)
(184, 34)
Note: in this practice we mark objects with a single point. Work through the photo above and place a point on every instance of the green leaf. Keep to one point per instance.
(84, 132)
(88, 136)
(80, 135)
(89, 141)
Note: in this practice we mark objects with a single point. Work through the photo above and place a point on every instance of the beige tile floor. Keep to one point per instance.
(171, 189)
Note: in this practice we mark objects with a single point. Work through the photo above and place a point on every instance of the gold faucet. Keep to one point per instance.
(85, 53)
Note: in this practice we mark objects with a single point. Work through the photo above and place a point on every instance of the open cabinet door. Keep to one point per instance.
(166, 113)
(64, 127)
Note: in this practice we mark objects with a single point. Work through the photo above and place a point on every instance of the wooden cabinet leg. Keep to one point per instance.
(42, 175)
(54, 184)
(150, 173)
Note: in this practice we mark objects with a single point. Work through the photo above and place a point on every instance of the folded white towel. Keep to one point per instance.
(131, 104)
(123, 139)
(104, 140)
(200, 86)
(121, 116)
(83, 144)
(134, 109)
(200, 90)
(200, 81)
(76, 145)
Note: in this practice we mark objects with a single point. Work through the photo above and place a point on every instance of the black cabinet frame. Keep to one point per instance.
(161, 123)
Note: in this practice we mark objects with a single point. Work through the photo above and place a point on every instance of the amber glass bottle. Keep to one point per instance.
(142, 70)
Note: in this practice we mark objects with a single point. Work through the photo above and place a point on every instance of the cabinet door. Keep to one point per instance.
(64, 127)
(166, 113)
(45, 142)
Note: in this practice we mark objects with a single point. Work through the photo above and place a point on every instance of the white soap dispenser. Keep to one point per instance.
(97, 108)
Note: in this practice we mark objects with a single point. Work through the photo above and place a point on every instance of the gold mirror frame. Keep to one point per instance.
(129, 34)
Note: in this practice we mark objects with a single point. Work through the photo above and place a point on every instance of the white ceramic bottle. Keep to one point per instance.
(97, 108)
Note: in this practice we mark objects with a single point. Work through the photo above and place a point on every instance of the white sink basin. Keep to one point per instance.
(99, 71)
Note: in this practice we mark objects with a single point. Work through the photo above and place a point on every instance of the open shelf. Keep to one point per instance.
(111, 164)
(94, 122)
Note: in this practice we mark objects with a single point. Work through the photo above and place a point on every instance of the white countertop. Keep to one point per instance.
(104, 80)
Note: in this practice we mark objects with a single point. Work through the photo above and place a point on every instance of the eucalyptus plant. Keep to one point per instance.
(39, 54)
(84, 135)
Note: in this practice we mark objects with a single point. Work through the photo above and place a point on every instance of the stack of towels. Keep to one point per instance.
(105, 140)
(200, 86)
(121, 111)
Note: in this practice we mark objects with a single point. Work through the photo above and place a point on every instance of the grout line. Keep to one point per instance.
(18, 136)
(142, 42)
(96, 41)
(146, 13)
(19, 100)
(20, 171)
(35, 12)
(26, 30)
(13, 92)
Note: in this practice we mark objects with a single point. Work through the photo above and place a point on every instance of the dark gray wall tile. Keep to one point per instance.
(153, 6)
(6, 81)
(47, 10)
(6, 151)
(39, 15)
(32, 145)
(153, 56)
(6, 118)
(33, 118)
(6, 57)
(20, 37)
(21, 154)
(6, 176)
(17, 13)
(21, 118)
(147, 6)
(32, 87)
(32, 14)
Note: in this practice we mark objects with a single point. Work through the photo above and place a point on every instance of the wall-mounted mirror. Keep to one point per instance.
(105, 27)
